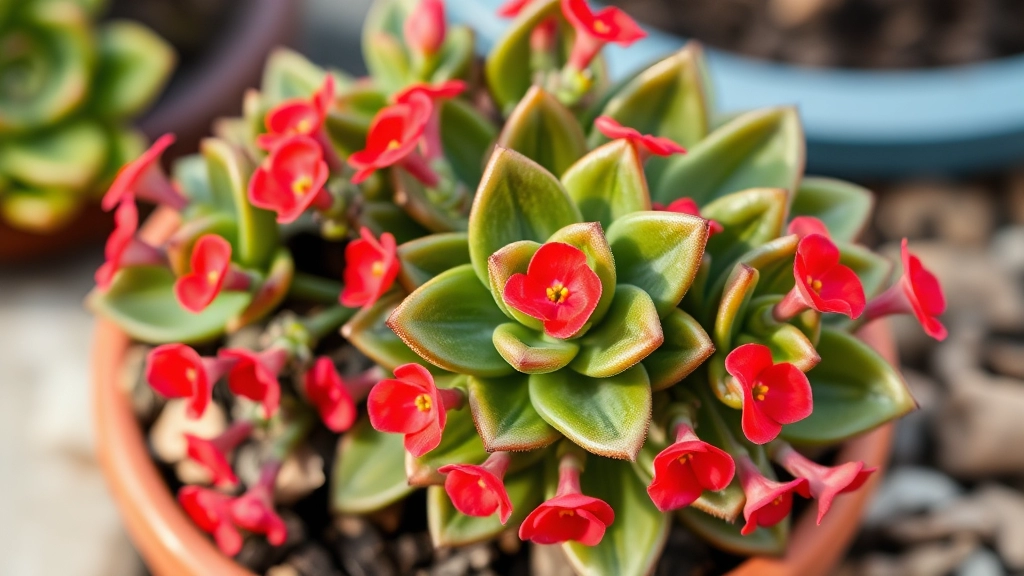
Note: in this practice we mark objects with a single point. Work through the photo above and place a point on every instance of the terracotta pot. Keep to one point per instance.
(210, 89)
(172, 546)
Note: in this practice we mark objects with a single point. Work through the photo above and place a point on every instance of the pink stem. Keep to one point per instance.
(274, 359)
(216, 367)
(323, 200)
(156, 188)
(892, 301)
(233, 436)
(497, 463)
(140, 253)
(793, 304)
(685, 433)
(360, 386)
(237, 280)
(451, 398)
(569, 475)
(418, 167)
(334, 161)
(583, 50)
(432, 147)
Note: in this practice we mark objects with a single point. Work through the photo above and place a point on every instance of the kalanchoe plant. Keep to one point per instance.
(68, 89)
(590, 311)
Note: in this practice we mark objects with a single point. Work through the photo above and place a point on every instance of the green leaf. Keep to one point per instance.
(257, 228)
(179, 245)
(71, 155)
(502, 265)
(417, 201)
(134, 66)
(141, 302)
(749, 218)
(845, 208)
(787, 343)
(589, 238)
(369, 471)
(760, 149)
(774, 264)
(685, 348)
(608, 183)
(288, 74)
(659, 252)
(380, 217)
(545, 131)
(505, 416)
(517, 200)
(460, 444)
(855, 390)
(449, 322)
(506, 69)
(383, 50)
(449, 527)
(124, 144)
(368, 331)
(629, 333)
(632, 544)
(467, 137)
(669, 99)
(732, 307)
(726, 536)
(873, 269)
(426, 257)
(39, 211)
(455, 59)
(605, 416)
(193, 180)
(530, 352)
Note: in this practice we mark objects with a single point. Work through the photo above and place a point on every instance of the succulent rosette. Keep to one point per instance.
(592, 311)
(68, 89)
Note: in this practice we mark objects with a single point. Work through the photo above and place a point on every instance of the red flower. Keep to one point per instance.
(645, 144)
(328, 393)
(145, 179)
(177, 371)
(478, 490)
(822, 283)
(123, 247)
(254, 376)
(825, 482)
(394, 134)
(298, 116)
(412, 405)
(768, 502)
(512, 8)
(291, 179)
(570, 515)
(254, 510)
(211, 272)
(688, 206)
(425, 26)
(806, 225)
(370, 268)
(432, 147)
(687, 468)
(594, 30)
(558, 288)
(917, 292)
(213, 453)
(773, 394)
(211, 512)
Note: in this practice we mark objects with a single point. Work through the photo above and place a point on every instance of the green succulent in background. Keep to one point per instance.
(69, 87)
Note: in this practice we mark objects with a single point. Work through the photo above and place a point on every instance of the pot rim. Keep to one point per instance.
(172, 546)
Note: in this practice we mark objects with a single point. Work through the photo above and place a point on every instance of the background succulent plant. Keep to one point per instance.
(68, 87)
(592, 332)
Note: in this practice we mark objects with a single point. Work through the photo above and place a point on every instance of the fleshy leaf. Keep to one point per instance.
(545, 131)
(69, 156)
(845, 208)
(369, 471)
(632, 544)
(530, 352)
(416, 200)
(658, 252)
(873, 269)
(512, 259)
(449, 527)
(760, 149)
(726, 536)
(460, 444)
(749, 218)
(628, 334)
(505, 418)
(467, 137)
(426, 257)
(193, 180)
(605, 416)
(787, 343)
(288, 74)
(39, 211)
(455, 59)
(855, 390)
(380, 217)
(517, 200)
(141, 302)
(386, 56)
(608, 183)
(686, 347)
(134, 66)
(449, 322)
(508, 75)
(589, 238)
(368, 331)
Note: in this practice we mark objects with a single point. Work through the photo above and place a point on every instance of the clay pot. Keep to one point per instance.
(211, 89)
(172, 546)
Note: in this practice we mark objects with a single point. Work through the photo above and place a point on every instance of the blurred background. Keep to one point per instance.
(953, 501)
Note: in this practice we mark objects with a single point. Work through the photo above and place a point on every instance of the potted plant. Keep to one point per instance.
(70, 88)
(580, 313)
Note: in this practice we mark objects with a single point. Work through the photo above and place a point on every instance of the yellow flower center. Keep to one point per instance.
(759, 391)
(190, 374)
(562, 513)
(302, 185)
(423, 403)
(601, 28)
(394, 144)
(777, 501)
(814, 284)
(303, 126)
(378, 268)
(212, 276)
(685, 458)
(557, 293)
(480, 483)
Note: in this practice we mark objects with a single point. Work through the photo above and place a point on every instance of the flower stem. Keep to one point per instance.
(326, 321)
(314, 288)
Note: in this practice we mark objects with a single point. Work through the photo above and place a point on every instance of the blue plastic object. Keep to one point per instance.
(858, 123)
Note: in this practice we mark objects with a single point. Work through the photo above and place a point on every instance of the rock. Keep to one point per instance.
(457, 564)
(312, 560)
(910, 489)
(412, 550)
(791, 13)
(1006, 358)
(301, 473)
(359, 548)
(167, 436)
(145, 402)
(932, 559)
(979, 427)
(509, 542)
(1016, 196)
(964, 215)
(283, 570)
(1006, 250)
(982, 562)
(911, 441)
(480, 555)
(549, 561)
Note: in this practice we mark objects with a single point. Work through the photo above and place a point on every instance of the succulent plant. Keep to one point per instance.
(68, 87)
(606, 308)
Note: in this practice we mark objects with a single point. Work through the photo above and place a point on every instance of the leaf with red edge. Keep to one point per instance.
(369, 333)
(845, 208)
(686, 347)
(544, 130)
(608, 183)
(414, 198)
(529, 351)
(629, 333)
(426, 257)
(750, 218)
(505, 418)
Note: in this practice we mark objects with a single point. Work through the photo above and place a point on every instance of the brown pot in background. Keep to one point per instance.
(172, 546)
(211, 88)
